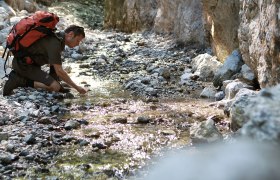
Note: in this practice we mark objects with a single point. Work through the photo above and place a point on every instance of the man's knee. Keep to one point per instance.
(55, 86)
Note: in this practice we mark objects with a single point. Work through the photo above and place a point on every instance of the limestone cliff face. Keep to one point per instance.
(28, 5)
(259, 36)
(183, 18)
(221, 24)
(130, 15)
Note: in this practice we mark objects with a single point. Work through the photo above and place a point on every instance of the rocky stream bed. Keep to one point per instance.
(137, 107)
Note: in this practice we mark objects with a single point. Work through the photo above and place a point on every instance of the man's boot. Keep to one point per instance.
(12, 83)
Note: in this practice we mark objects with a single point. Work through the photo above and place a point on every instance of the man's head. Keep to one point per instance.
(74, 35)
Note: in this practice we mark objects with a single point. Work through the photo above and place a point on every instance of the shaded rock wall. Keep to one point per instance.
(29, 5)
(19, 5)
(183, 18)
(221, 25)
(259, 36)
(130, 15)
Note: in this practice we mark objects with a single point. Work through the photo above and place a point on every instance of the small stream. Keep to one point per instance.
(123, 132)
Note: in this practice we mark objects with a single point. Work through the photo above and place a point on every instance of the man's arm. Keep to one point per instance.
(65, 77)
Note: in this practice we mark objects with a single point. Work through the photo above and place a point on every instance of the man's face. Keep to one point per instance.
(71, 40)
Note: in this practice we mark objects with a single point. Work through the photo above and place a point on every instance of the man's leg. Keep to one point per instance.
(14, 81)
(54, 86)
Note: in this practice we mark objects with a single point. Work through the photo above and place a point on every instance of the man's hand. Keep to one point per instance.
(65, 77)
(81, 90)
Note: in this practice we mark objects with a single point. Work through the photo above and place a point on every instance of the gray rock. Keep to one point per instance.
(72, 124)
(233, 87)
(231, 66)
(262, 114)
(143, 120)
(205, 131)
(237, 111)
(247, 74)
(4, 136)
(45, 120)
(219, 96)
(6, 158)
(121, 120)
(205, 66)
(29, 139)
(208, 92)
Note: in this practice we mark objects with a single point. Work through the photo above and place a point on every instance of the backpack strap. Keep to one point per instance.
(5, 64)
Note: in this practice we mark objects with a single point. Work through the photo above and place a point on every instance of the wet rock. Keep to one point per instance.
(45, 120)
(72, 124)
(6, 158)
(10, 148)
(30, 157)
(82, 142)
(24, 153)
(77, 56)
(4, 120)
(52, 178)
(29, 139)
(168, 132)
(121, 120)
(83, 121)
(4, 136)
(86, 66)
(55, 108)
(67, 138)
(99, 146)
(42, 170)
(84, 167)
(143, 120)
(32, 97)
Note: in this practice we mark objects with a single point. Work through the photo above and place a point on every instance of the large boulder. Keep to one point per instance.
(221, 24)
(259, 38)
(237, 109)
(262, 113)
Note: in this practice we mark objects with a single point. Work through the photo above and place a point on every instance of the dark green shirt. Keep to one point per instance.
(48, 50)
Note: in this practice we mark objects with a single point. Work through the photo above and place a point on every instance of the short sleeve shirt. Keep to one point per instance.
(47, 50)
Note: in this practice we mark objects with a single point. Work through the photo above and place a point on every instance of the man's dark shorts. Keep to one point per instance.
(32, 72)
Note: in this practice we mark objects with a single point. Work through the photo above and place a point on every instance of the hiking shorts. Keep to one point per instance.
(32, 72)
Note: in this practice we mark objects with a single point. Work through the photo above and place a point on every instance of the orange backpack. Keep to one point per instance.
(28, 30)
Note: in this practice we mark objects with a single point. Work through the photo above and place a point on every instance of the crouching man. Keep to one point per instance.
(27, 71)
